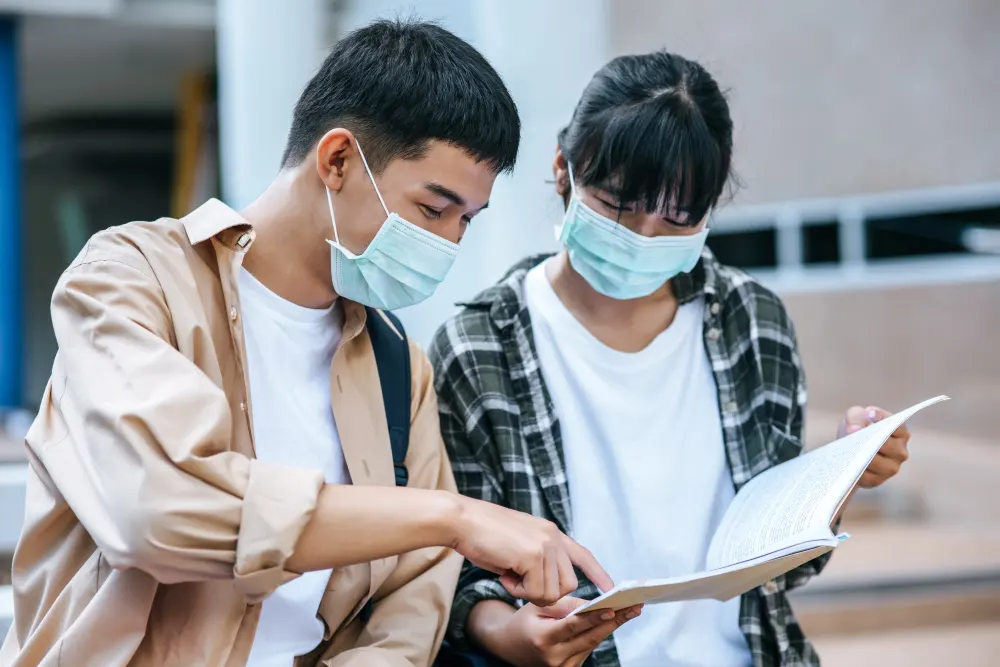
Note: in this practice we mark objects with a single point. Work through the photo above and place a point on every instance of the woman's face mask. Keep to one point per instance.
(616, 261)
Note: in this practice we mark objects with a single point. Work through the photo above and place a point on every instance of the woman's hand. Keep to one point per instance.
(893, 453)
(545, 636)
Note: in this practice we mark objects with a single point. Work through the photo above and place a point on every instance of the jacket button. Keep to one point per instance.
(771, 587)
(243, 406)
(715, 308)
(713, 334)
(233, 314)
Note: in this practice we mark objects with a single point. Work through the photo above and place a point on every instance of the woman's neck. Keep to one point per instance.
(623, 325)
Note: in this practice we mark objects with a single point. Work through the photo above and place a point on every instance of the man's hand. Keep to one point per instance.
(534, 559)
(893, 453)
(546, 636)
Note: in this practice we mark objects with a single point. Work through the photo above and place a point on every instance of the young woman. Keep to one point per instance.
(627, 387)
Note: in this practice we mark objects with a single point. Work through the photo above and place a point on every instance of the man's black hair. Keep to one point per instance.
(399, 84)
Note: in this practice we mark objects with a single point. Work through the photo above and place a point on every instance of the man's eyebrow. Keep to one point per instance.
(447, 193)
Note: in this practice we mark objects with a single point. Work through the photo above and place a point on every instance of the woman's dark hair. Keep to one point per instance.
(655, 131)
(399, 84)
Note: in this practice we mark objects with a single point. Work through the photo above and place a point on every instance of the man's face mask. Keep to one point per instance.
(616, 261)
(402, 265)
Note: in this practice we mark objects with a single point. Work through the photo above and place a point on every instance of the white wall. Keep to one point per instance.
(837, 98)
(267, 51)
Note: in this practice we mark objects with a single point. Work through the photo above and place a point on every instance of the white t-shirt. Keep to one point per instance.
(647, 471)
(289, 352)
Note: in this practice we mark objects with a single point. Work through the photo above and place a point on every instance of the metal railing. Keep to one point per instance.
(789, 220)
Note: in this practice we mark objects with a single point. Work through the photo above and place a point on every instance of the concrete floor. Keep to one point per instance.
(963, 646)
(939, 519)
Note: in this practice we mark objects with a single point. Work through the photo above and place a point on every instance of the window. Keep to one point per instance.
(868, 232)
(82, 175)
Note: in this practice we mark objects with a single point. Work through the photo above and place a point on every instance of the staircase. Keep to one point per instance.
(918, 583)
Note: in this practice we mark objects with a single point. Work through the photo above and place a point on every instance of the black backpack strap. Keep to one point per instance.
(392, 356)
(449, 657)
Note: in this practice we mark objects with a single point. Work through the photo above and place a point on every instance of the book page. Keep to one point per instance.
(723, 584)
(799, 498)
(778, 521)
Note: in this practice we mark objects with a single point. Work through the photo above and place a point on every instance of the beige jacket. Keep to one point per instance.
(152, 533)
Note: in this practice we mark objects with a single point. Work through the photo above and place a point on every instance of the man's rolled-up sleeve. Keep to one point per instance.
(143, 448)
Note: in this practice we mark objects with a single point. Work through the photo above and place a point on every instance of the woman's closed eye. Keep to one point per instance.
(615, 206)
(683, 223)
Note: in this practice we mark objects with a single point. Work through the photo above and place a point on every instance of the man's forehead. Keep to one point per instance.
(451, 173)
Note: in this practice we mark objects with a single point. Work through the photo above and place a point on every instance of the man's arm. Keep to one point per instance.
(412, 607)
(145, 464)
(144, 456)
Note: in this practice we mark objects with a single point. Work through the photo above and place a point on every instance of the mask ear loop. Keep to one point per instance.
(572, 184)
(329, 196)
(333, 218)
(371, 178)
(559, 230)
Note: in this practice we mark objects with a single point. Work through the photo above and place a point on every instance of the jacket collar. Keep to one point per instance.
(215, 219)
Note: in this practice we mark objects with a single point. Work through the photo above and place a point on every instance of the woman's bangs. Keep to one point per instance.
(655, 160)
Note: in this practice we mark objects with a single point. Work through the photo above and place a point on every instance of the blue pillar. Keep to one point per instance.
(11, 283)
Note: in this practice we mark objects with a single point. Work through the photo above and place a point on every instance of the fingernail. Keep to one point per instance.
(608, 615)
(872, 416)
(631, 615)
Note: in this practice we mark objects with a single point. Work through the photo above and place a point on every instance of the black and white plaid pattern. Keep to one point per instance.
(503, 435)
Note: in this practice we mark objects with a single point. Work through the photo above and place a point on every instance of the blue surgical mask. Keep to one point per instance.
(616, 261)
(402, 265)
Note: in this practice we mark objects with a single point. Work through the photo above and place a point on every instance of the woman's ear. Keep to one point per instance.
(332, 153)
(560, 172)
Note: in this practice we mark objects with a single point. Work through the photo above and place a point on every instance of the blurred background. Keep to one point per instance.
(866, 141)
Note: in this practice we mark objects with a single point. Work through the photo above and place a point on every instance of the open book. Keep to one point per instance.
(779, 520)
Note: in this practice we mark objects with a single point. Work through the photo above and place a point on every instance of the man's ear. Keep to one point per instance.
(334, 152)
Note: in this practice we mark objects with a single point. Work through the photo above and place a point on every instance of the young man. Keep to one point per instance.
(213, 443)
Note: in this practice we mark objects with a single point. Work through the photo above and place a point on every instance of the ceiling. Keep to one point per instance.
(130, 61)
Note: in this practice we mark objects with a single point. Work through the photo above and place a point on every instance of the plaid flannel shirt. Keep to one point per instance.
(503, 435)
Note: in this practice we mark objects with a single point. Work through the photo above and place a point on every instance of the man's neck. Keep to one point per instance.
(290, 255)
(625, 325)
